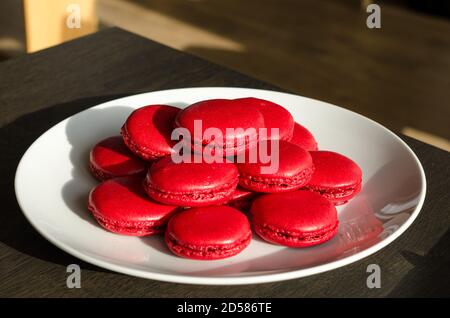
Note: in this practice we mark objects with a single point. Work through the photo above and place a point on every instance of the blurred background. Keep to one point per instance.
(319, 49)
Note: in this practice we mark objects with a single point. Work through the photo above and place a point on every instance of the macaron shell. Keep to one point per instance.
(336, 177)
(147, 131)
(208, 232)
(241, 199)
(302, 211)
(186, 177)
(291, 160)
(293, 169)
(275, 116)
(123, 201)
(304, 138)
(191, 184)
(303, 218)
(111, 158)
(339, 195)
(241, 193)
(333, 170)
(221, 114)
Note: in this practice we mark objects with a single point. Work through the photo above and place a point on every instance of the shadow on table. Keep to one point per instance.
(83, 131)
(15, 138)
(430, 273)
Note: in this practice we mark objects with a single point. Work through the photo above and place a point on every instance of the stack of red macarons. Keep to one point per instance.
(163, 176)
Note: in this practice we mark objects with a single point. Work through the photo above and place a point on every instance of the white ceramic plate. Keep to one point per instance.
(53, 181)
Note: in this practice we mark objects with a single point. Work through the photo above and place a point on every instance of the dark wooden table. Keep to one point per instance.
(39, 90)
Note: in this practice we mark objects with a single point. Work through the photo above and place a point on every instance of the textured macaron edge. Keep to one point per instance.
(141, 151)
(295, 238)
(231, 143)
(102, 175)
(242, 204)
(271, 184)
(337, 195)
(206, 252)
(141, 228)
(98, 173)
(195, 198)
(227, 149)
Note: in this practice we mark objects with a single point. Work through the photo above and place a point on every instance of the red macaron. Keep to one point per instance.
(208, 233)
(241, 199)
(291, 168)
(275, 116)
(191, 183)
(237, 125)
(294, 219)
(304, 138)
(147, 131)
(336, 177)
(121, 206)
(110, 158)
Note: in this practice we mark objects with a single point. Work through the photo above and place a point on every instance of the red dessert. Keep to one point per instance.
(191, 184)
(121, 206)
(222, 115)
(147, 131)
(294, 170)
(294, 219)
(336, 177)
(208, 233)
(302, 137)
(110, 158)
(275, 116)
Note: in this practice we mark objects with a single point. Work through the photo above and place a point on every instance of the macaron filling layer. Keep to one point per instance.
(233, 142)
(103, 175)
(230, 148)
(296, 238)
(334, 193)
(131, 228)
(264, 182)
(209, 251)
(218, 194)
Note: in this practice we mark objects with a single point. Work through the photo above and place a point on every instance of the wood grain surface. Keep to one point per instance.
(41, 89)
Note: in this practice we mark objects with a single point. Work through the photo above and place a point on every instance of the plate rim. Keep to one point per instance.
(227, 280)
